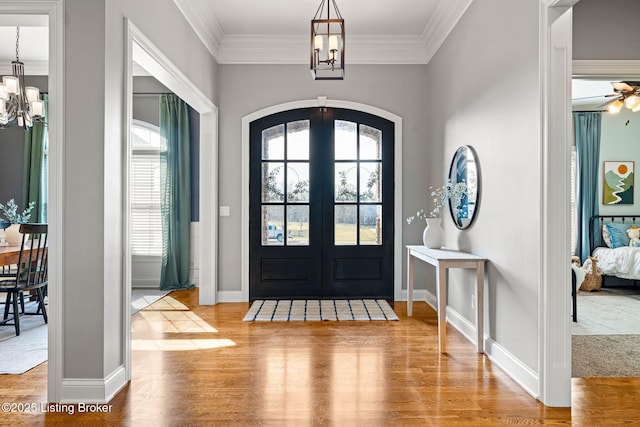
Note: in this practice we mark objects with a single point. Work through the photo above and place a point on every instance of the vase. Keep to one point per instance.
(12, 234)
(433, 234)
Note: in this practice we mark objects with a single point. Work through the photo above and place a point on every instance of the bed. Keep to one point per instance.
(608, 241)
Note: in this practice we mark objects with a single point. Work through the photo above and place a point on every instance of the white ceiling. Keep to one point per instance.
(590, 94)
(377, 31)
(277, 32)
(34, 42)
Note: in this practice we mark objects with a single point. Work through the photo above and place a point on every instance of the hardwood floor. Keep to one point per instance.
(205, 367)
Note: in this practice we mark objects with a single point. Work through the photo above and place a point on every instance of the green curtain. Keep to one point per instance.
(175, 193)
(587, 128)
(34, 178)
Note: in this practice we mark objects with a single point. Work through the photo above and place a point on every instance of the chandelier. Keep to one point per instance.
(19, 104)
(327, 44)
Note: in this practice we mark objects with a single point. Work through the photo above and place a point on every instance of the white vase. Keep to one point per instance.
(433, 234)
(12, 234)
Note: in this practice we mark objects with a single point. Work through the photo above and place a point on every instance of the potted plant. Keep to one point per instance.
(12, 233)
(433, 234)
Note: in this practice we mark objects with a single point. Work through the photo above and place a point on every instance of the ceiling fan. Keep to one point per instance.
(625, 93)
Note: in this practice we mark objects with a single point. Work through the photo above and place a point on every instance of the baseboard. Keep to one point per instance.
(93, 390)
(500, 356)
(418, 295)
(230, 296)
(518, 371)
(145, 283)
(464, 326)
(194, 276)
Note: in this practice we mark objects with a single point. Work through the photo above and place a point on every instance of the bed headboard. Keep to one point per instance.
(595, 227)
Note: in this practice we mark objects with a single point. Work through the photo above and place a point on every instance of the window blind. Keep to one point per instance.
(146, 225)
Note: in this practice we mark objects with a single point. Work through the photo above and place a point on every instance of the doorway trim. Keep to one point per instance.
(322, 101)
(554, 331)
(138, 46)
(54, 9)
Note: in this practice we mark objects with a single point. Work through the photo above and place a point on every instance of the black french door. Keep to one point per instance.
(321, 205)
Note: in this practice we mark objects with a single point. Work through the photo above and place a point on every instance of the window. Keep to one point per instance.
(146, 225)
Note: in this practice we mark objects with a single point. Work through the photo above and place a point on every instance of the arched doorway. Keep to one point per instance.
(321, 205)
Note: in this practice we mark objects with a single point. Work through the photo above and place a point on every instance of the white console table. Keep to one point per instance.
(443, 259)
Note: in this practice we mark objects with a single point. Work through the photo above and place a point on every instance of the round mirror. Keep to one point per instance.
(465, 168)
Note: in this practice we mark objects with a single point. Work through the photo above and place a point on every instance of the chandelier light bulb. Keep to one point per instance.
(33, 93)
(12, 84)
(333, 43)
(632, 101)
(615, 106)
(37, 108)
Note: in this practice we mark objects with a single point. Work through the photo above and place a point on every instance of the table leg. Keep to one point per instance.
(409, 283)
(441, 286)
(480, 306)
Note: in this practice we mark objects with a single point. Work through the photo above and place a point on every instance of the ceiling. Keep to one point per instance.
(34, 43)
(589, 95)
(262, 32)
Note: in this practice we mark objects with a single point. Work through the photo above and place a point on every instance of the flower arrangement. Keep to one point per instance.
(11, 212)
(455, 192)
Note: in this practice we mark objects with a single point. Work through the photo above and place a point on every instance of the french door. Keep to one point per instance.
(321, 205)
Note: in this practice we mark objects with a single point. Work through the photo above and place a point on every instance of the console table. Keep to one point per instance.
(443, 259)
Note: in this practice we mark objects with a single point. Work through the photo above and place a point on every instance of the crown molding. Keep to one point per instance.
(200, 19)
(294, 49)
(443, 20)
(606, 68)
(560, 3)
(31, 68)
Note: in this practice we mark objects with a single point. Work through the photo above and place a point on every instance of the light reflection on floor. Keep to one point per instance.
(169, 316)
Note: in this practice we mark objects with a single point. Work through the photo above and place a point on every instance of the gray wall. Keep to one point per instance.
(245, 89)
(491, 54)
(94, 128)
(12, 152)
(606, 30)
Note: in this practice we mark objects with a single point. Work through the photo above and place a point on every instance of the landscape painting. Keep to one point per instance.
(617, 183)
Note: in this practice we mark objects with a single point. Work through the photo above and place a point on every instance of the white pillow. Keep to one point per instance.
(605, 235)
(580, 275)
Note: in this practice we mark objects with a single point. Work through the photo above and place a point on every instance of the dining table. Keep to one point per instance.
(9, 254)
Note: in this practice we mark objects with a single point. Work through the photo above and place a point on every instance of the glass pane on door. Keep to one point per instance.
(346, 140)
(345, 225)
(272, 225)
(297, 182)
(370, 224)
(298, 225)
(346, 182)
(272, 182)
(298, 140)
(370, 143)
(371, 182)
(273, 143)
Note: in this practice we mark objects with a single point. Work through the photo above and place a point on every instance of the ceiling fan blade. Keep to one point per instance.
(608, 102)
(596, 96)
(622, 86)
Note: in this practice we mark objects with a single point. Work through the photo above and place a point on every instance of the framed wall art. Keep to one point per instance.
(617, 182)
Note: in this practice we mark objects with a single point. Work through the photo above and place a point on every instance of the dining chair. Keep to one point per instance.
(31, 275)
